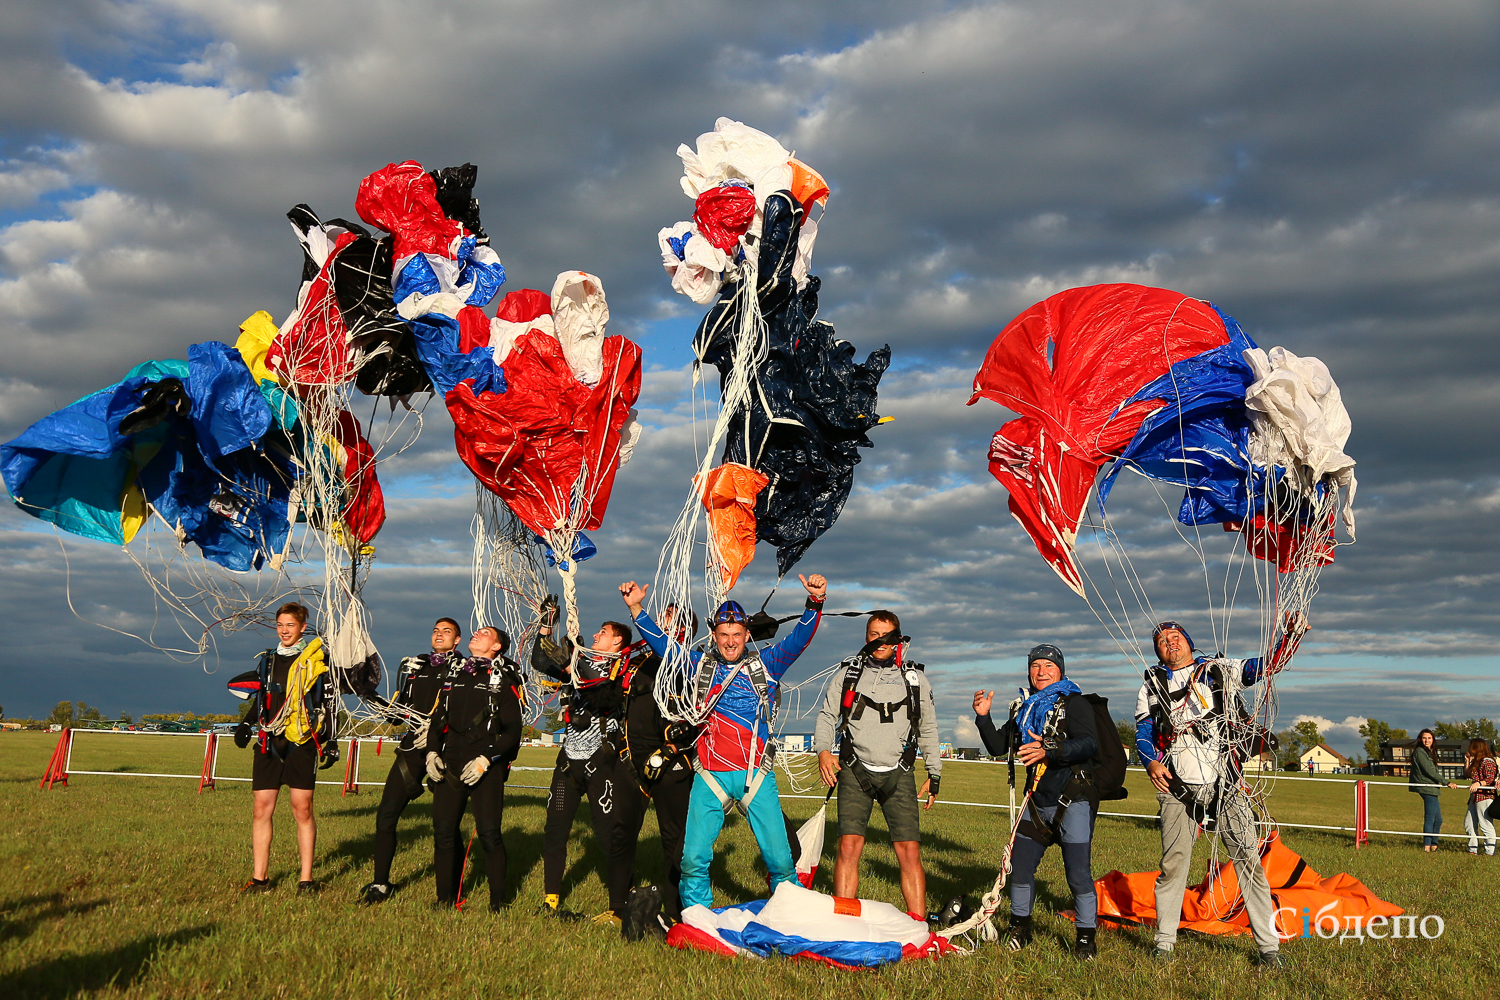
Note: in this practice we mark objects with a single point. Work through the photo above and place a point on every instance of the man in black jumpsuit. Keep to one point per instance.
(472, 740)
(591, 761)
(661, 757)
(418, 687)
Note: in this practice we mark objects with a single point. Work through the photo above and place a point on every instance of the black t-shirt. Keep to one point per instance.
(645, 726)
(275, 697)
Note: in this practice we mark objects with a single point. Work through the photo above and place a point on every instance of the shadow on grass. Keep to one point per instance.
(69, 975)
(20, 918)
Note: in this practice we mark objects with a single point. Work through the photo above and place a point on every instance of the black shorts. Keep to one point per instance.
(895, 790)
(298, 770)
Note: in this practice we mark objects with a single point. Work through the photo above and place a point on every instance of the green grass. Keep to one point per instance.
(127, 887)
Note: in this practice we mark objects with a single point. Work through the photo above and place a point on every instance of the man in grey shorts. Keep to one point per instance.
(881, 707)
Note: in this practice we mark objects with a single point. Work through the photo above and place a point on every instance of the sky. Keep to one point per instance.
(1325, 174)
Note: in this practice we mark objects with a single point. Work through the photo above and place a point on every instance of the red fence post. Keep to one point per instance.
(210, 747)
(57, 767)
(351, 768)
(1361, 814)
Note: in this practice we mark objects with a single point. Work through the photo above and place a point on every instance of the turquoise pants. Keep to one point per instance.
(705, 819)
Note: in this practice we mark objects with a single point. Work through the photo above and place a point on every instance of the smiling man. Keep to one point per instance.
(880, 708)
(736, 691)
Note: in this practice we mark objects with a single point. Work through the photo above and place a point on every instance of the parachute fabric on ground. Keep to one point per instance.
(800, 923)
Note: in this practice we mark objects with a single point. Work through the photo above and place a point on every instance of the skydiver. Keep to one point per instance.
(877, 754)
(418, 687)
(661, 757)
(591, 761)
(1190, 732)
(738, 689)
(1051, 728)
(296, 729)
(472, 739)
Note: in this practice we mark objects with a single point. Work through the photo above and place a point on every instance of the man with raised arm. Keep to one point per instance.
(418, 687)
(591, 761)
(1191, 732)
(737, 689)
(879, 706)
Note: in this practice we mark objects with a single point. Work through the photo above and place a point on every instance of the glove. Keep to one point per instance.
(242, 735)
(434, 766)
(330, 755)
(474, 770)
(419, 735)
(549, 612)
(933, 780)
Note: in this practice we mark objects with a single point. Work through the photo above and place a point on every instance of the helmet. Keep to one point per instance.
(1171, 625)
(729, 613)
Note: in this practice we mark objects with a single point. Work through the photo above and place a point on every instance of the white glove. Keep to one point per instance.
(474, 770)
(419, 735)
(434, 766)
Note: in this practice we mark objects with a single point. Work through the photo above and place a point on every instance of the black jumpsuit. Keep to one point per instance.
(478, 715)
(420, 685)
(591, 762)
(645, 731)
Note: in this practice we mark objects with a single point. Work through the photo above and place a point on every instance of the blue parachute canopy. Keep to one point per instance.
(1200, 438)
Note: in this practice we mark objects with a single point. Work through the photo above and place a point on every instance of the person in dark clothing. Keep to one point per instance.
(590, 762)
(473, 738)
(660, 754)
(1051, 731)
(292, 708)
(418, 688)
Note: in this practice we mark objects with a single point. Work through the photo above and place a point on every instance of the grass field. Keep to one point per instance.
(127, 887)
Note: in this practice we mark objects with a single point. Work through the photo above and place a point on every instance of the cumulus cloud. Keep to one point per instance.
(1329, 182)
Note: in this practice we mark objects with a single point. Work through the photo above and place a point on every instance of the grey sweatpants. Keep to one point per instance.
(1237, 831)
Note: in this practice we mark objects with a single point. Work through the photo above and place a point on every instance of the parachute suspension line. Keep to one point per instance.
(673, 584)
(508, 581)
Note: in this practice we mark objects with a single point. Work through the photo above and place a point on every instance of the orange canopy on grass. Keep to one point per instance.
(1214, 905)
(729, 494)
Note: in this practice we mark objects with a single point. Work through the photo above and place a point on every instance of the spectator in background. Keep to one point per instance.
(1426, 781)
(1481, 771)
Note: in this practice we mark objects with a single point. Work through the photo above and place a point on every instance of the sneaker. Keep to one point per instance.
(1164, 955)
(375, 893)
(256, 885)
(608, 919)
(1020, 932)
(1086, 949)
(1270, 960)
(568, 916)
(308, 888)
(642, 907)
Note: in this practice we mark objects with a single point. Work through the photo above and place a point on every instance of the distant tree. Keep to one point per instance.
(1127, 734)
(552, 719)
(88, 713)
(1377, 732)
(1465, 730)
(530, 733)
(1295, 742)
(62, 715)
(125, 718)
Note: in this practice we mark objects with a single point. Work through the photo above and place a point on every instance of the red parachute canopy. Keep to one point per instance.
(402, 200)
(1065, 365)
(529, 444)
(313, 350)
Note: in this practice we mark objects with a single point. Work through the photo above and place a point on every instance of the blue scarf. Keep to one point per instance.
(1032, 715)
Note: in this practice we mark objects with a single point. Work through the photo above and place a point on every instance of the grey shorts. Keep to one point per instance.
(895, 790)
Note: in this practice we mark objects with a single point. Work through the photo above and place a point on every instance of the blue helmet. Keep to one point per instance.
(1171, 625)
(730, 613)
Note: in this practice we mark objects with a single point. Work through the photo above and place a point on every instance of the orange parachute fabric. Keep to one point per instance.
(729, 494)
(1214, 906)
(808, 186)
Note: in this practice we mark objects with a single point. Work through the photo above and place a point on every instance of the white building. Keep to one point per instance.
(1325, 759)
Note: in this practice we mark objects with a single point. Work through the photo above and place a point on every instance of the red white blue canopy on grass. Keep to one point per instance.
(800, 923)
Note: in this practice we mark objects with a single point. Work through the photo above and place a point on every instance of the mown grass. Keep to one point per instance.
(127, 887)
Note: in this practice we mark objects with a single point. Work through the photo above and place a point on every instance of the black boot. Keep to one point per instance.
(1085, 950)
(1020, 932)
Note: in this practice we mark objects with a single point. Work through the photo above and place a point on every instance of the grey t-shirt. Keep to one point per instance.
(878, 744)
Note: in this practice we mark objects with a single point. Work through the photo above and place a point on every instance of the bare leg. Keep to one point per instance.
(260, 830)
(846, 868)
(307, 829)
(913, 878)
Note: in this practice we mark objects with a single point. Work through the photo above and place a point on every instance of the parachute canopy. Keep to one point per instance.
(1166, 386)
